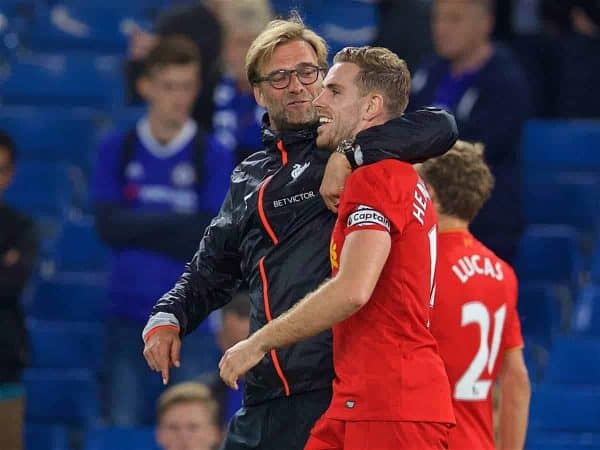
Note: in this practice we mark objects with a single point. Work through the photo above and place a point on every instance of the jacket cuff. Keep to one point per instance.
(159, 320)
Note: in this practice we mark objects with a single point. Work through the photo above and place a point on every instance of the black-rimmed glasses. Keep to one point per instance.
(280, 79)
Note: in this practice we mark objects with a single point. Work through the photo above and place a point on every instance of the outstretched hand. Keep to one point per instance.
(162, 351)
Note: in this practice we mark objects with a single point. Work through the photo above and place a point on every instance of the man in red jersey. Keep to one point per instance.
(391, 391)
(475, 319)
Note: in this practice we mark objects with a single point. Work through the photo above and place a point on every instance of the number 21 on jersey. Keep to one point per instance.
(470, 387)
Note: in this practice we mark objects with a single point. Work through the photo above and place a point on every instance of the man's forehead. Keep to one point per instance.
(288, 55)
(341, 74)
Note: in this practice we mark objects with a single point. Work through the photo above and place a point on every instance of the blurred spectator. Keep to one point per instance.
(404, 28)
(18, 248)
(187, 418)
(156, 187)
(237, 118)
(234, 326)
(578, 58)
(197, 22)
(483, 86)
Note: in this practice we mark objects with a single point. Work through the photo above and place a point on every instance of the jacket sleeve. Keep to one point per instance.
(209, 279)
(14, 276)
(413, 137)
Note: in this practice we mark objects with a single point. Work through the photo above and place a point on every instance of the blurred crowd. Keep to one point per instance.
(157, 182)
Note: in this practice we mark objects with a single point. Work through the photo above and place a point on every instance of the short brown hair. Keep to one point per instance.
(461, 179)
(279, 32)
(381, 70)
(188, 392)
(174, 50)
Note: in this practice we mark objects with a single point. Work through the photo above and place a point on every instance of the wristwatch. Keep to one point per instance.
(347, 148)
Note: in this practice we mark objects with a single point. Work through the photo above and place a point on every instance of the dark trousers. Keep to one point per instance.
(282, 423)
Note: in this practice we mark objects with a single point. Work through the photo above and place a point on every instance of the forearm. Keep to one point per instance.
(514, 408)
(316, 312)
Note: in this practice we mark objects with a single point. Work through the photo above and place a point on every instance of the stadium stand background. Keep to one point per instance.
(60, 82)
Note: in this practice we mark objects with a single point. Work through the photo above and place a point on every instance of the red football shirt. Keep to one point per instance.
(386, 360)
(475, 321)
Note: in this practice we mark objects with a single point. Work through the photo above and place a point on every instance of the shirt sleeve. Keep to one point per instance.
(512, 330)
(373, 198)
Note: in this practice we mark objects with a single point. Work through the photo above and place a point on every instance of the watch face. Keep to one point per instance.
(346, 145)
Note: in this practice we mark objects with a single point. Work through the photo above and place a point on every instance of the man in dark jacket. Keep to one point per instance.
(18, 248)
(273, 231)
(483, 86)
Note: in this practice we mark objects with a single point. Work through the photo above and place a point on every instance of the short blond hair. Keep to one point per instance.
(247, 16)
(278, 32)
(461, 179)
(188, 392)
(381, 70)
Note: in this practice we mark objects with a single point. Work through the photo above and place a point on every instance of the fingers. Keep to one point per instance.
(175, 351)
(162, 354)
(226, 372)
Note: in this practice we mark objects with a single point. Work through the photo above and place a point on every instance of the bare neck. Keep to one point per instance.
(473, 60)
(446, 223)
(162, 130)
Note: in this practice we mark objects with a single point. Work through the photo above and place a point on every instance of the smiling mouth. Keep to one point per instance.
(323, 120)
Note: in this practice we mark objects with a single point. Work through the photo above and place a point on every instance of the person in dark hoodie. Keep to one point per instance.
(482, 84)
(18, 250)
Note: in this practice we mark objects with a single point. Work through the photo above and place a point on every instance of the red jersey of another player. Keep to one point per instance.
(474, 321)
(386, 360)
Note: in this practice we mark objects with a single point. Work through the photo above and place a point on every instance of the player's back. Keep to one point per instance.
(386, 360)
(475, 322)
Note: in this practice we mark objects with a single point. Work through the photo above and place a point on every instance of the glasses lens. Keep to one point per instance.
(308, 74)
(280, 79)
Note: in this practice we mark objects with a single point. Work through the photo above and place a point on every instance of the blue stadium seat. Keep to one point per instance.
(586, 317)
(565, 408)
(561, 167)
(561, 145)
(549, 253)
(83, 27)
(46, 437)
(562, 441)
(44, 189)
(78, 248)
(342, 23)
(66, 345)
(64, 80)
(540, 311)
(52, 134)
(574, 360)
(571, 198)
(61, 397)
(68, 298)
(126, 118)
(120, 439)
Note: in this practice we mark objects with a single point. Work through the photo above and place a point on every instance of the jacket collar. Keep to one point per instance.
(291, 138)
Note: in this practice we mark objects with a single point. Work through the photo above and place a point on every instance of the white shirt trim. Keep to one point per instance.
(185, 135)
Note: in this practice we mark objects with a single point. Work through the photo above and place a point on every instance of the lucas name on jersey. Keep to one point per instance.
(477, 265)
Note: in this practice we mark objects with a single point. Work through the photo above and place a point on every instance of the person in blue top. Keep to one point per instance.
(237, 118)
(481, 83)
(155, 189)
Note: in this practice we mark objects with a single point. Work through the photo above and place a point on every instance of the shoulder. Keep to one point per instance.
(114, 138)
(385, 175)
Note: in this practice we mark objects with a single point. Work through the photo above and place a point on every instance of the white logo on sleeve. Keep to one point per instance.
(365, 215)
